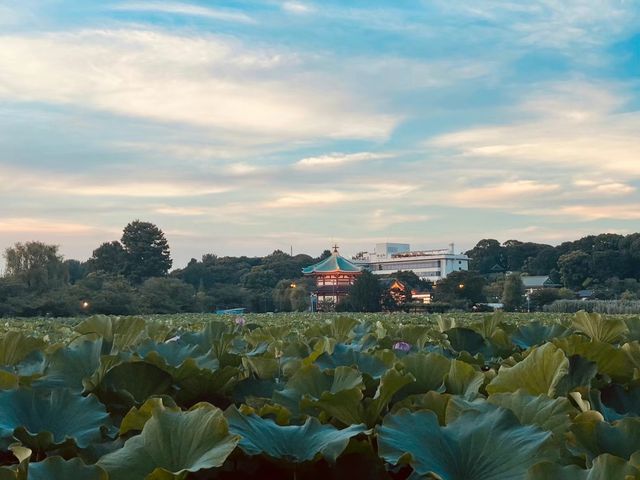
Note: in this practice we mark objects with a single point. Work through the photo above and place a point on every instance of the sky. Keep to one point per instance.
(241, 127)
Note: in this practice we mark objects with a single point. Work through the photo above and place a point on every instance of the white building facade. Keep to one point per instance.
(433, 265)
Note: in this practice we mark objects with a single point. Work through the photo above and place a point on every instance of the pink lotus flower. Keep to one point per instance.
(402, 346)
(240, 321)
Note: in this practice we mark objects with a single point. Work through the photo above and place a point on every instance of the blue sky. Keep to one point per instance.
(239, 127)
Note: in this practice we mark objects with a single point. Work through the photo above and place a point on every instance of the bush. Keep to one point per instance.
(612, 307)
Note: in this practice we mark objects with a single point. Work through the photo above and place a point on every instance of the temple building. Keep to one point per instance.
(333, 277)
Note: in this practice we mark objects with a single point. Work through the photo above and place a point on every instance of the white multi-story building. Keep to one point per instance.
(431, 265)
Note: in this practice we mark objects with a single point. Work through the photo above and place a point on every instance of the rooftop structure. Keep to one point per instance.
(333, 276)
(431, 265)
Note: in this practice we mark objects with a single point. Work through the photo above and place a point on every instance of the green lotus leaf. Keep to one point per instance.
(341, 329)
(201, 384)
(434, 401)
(312, 382)
(43, 419)
(57, 468)
(17, 472)
(605, 467)
(458, 406)
(625, 401)
(491, 446)
(263, 367)
(610, 360)
(536, 333)
(68, 367)
(128, 384)
(173, 443)
(347, 356)
(553, 415)
(118, 333)
(293, 443)
(632, 350)
(466, 340)
(429, 371)
(172, 354)
(418, 335)
(598, 328)
(463, 379)
(345, 406)
(539, 373)
(594, 436)
(15, 347)
(136, 418)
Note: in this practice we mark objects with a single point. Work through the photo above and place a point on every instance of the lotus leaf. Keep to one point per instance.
(293, 443)
(347, 356)
(538, 374)
(466, 340)
(429, 371)
(19, 471)
(606, 330)
(131, 383)
(42, 419)
(605, 467)
(536, 333)
(117, 333)
(610, 360)
(173, 443)
(553, 415)
(57, 468)
(622, 400)
(68, 367)
(594, 436)
(15, 347)
(463, 379)
(490, 446)
(312, 382)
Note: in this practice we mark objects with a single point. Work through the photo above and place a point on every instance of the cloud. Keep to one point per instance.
(298, 8)
(337, 159)
(382, 218)
(502, 195)
(601, 212)
(206, 82)
(41, 225)
(183, 9)
(585, 132)
(605, 188)
(363, 193)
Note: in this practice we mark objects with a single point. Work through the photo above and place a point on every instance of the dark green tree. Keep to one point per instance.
(147, 251)
(365, 293)
(109, 257)
(575, 268)
(513, 293)
(485, 255)
(35, 264)
(460, 289)
(167, 295)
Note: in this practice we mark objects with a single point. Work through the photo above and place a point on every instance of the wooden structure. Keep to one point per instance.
(333, 277)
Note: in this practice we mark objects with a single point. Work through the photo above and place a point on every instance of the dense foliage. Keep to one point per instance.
(608, 263)
(314, 396)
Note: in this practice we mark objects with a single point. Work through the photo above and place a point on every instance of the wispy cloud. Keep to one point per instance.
(298, 8)
(176, 8)
(502, 195)
(204, 82)
(337, 159)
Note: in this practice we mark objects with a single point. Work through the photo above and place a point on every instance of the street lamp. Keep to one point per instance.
(461, 286)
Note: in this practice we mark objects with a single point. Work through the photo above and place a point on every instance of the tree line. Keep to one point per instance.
(133, 275)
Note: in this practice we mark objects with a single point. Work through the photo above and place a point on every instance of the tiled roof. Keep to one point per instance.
(334, 263)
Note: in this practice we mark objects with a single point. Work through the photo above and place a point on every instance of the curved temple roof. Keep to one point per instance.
(334, 263)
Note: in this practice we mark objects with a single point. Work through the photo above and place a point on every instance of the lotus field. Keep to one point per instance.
(465, 397)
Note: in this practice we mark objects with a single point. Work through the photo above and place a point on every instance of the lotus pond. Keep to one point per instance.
(453, 397)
